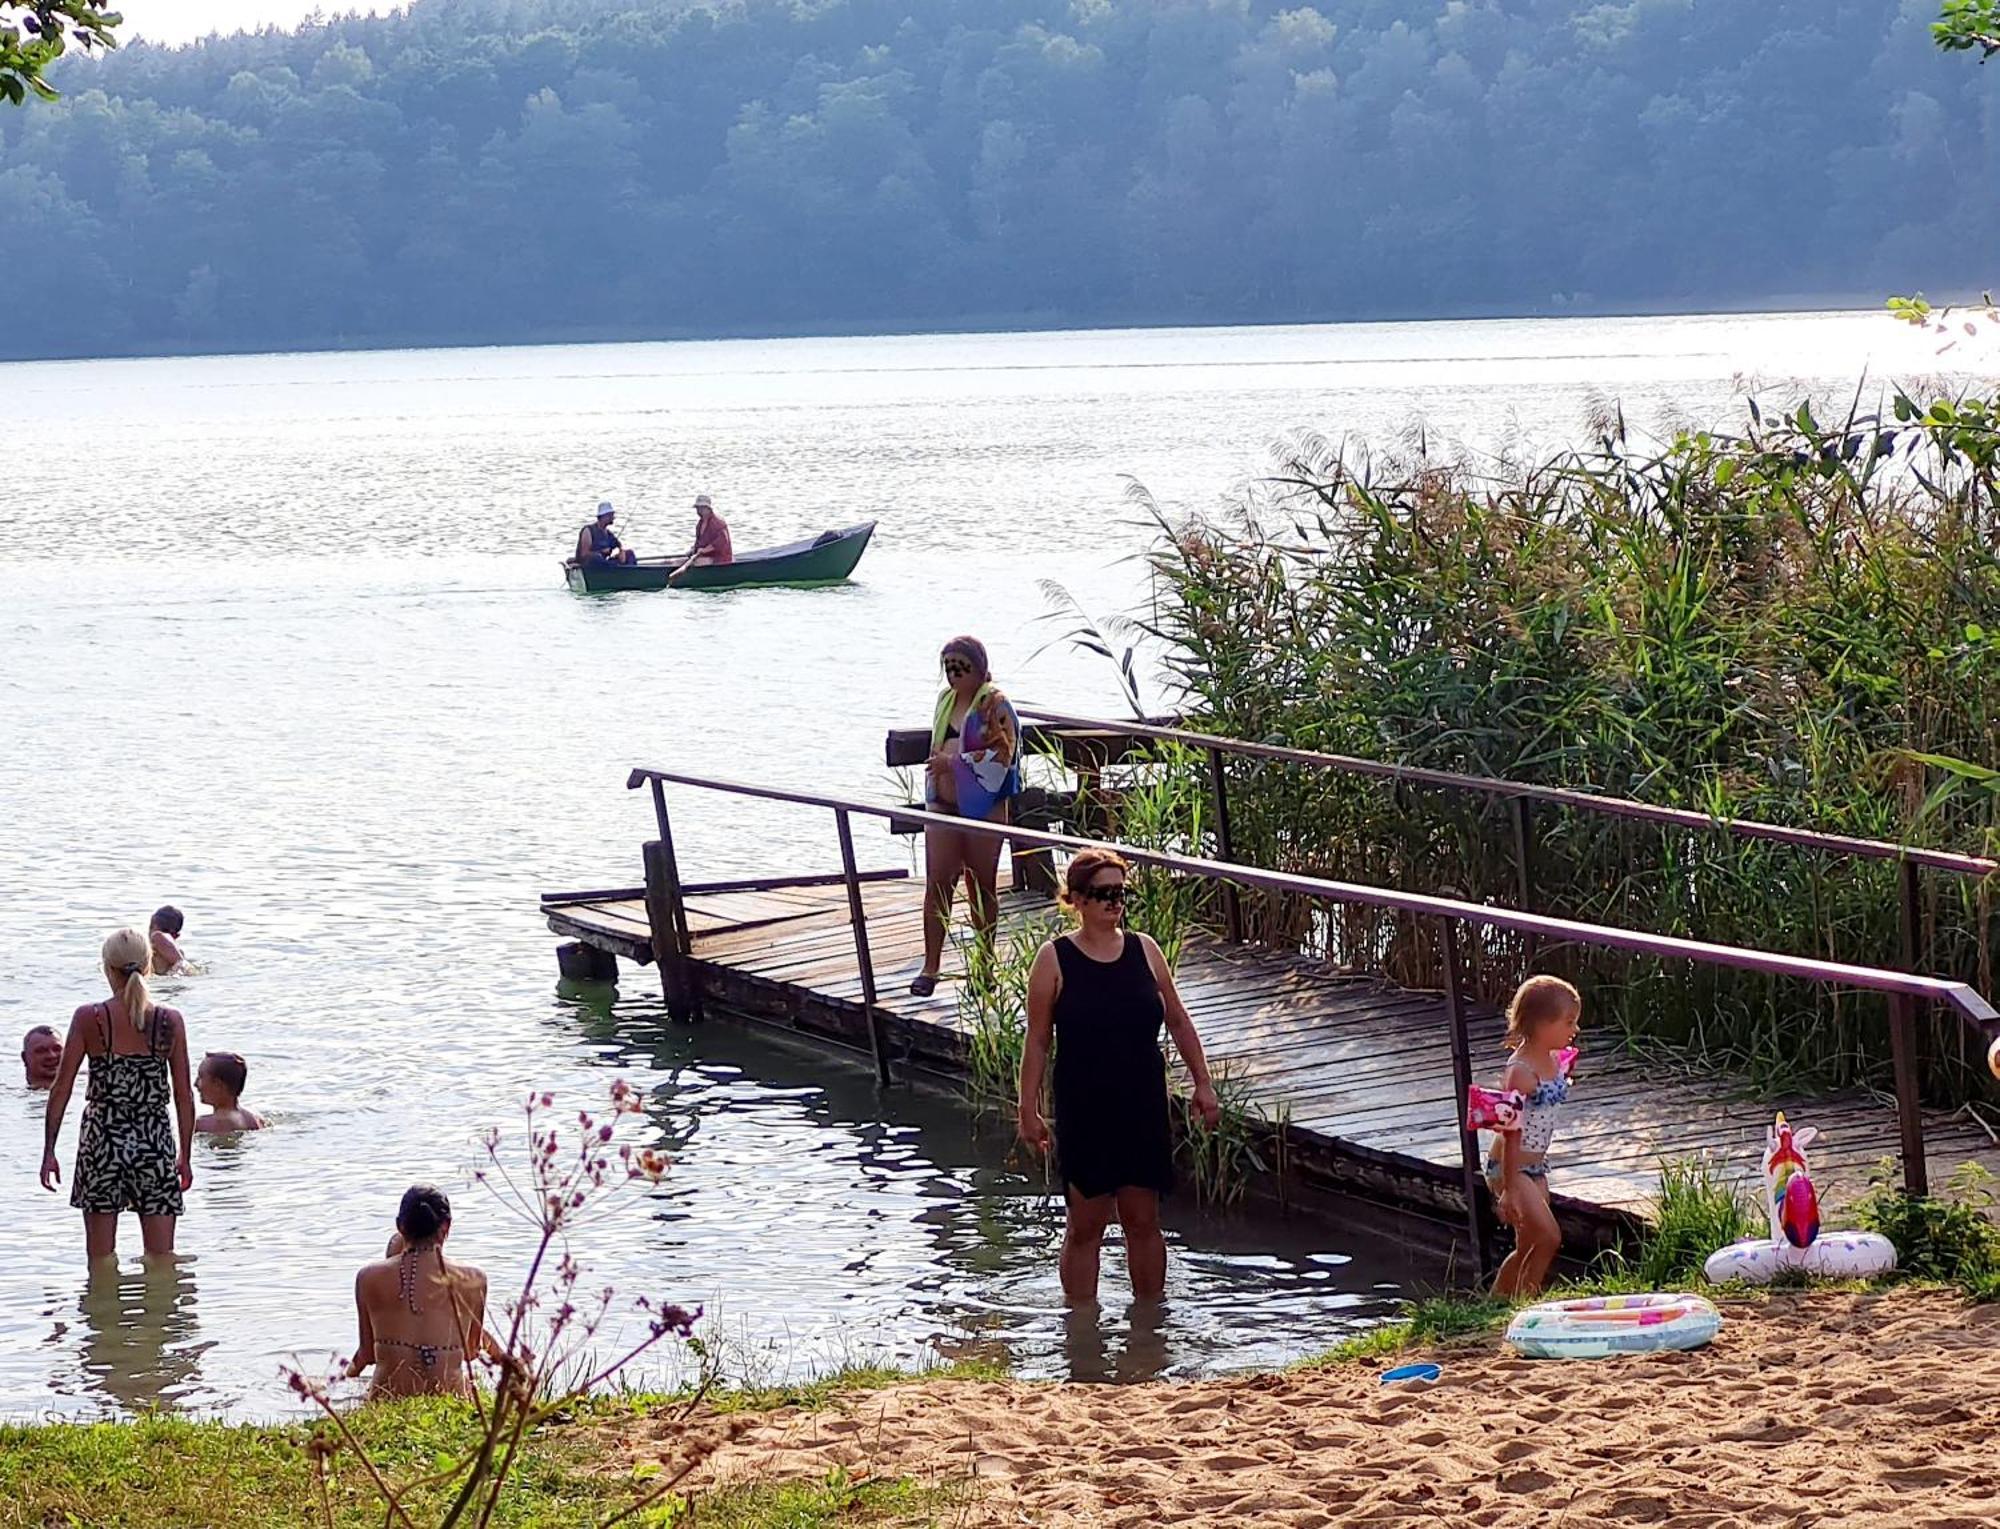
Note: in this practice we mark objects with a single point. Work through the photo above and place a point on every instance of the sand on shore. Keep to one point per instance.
(1839, 1410)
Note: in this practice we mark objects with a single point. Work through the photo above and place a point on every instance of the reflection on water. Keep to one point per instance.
(355, 770)
(135, 1340)
(1088, 1344)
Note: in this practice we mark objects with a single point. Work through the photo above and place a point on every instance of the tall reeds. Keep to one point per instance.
(1799, 624)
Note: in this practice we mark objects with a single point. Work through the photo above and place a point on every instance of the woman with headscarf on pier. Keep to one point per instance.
(974, 772)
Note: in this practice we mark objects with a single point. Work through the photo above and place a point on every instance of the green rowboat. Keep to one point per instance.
(827, 559)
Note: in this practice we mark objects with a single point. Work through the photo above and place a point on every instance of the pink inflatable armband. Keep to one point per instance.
(1489, 1109)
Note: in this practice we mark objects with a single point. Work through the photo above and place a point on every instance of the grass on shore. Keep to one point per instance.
(174, 1473)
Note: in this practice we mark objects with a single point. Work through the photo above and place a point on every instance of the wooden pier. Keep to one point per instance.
(1357, 1074)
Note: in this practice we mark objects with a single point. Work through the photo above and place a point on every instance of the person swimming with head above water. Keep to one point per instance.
(420, 1314)
(163, 935)
(218, 1082)
(41, 1056)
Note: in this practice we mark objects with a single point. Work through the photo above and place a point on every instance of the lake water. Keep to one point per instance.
(283, 640)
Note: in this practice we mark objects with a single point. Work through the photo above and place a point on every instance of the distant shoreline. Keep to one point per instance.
(975, 324)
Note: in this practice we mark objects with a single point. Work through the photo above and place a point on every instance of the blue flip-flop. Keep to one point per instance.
(1412, 1375)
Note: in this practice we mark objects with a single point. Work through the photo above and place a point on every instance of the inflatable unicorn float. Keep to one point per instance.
(1796, 1242)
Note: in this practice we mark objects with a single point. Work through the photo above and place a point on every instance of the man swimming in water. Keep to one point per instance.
(41, 1056)
(597, 543)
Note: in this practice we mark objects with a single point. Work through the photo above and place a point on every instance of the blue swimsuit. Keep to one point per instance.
(1540, 1112)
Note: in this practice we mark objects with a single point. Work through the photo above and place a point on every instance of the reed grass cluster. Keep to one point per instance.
(1800, 623)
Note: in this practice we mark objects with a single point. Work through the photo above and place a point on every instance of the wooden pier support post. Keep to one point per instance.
(1470, 1174)
(668, 920)
(579, 962)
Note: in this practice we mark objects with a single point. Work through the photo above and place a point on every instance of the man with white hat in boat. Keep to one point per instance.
(711, 540)
(597, 543)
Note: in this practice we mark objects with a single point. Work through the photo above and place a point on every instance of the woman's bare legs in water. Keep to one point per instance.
(1083, 1240)
(1145, 1244)
(1138, 1213)
(157, 1233)
(100, 1235)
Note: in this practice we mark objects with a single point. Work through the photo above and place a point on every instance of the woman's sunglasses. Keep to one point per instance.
(1110, 895)
(954, 667)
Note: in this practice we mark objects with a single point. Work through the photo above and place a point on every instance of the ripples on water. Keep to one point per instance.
(355, 767)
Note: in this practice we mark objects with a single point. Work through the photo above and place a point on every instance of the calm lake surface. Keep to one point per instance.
(283, 640)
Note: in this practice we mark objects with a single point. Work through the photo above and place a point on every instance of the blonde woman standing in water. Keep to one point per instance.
(126, 1152)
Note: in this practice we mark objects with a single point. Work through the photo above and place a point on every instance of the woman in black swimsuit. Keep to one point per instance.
(420, 1314)
(126, 1154)
(1100, 995)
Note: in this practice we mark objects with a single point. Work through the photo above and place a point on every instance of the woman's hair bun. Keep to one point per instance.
(423, 1214)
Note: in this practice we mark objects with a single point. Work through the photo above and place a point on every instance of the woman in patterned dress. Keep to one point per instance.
(126, 1152)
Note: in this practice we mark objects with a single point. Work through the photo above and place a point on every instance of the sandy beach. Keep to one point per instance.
(1828, 1409)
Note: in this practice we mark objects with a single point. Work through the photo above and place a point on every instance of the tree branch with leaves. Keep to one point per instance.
(35, 34)
(1964, 25)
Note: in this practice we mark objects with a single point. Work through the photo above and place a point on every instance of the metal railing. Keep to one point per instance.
(1904, 990)
(1910, 858)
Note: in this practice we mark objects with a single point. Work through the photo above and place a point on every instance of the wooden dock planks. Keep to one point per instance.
(1360, 1071)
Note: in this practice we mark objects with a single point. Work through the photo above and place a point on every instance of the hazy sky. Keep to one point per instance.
(184, 20)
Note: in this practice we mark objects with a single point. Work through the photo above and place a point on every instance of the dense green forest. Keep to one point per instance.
(527, 169)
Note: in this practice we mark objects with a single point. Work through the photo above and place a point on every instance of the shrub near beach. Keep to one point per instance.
(1801, 624)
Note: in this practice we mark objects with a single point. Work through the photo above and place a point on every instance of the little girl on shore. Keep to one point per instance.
(1541, 1030)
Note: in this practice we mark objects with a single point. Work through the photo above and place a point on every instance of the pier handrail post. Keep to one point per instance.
(1225, 847)
(1909, 1103)
(1903, 1036)
(857, 918)
(1523, 809)
(1470, 1175)
(1912, 915)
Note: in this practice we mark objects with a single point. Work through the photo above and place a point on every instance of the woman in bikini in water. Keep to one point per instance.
(421, 1315)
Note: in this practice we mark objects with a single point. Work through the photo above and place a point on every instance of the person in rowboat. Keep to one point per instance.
(597, 543)
(711, 540)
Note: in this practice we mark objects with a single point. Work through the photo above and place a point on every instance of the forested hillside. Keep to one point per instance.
(502, 170)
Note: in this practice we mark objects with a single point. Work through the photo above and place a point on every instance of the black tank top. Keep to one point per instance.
(1108, 1016)
(602, 538)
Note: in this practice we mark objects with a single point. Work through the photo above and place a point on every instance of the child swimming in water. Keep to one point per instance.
(1541, 1030)
(219, 1081)
(163, 934)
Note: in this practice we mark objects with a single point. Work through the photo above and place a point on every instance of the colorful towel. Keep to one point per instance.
(987, 768)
